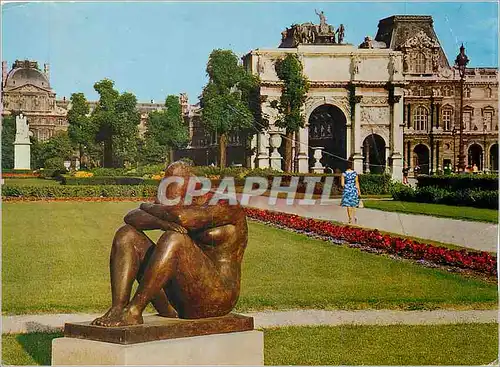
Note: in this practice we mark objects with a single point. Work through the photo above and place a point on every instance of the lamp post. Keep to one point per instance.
(431, 136)
(453, 133)
(460, 63)
(484, 146)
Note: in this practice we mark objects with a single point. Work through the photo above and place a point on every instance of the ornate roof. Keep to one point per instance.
(406, 31)
(26, 72)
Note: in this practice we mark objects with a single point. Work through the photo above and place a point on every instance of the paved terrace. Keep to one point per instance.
(474, 235)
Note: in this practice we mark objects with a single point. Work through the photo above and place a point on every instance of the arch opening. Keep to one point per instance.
(421, 158)
(374, 160)
(327, 129)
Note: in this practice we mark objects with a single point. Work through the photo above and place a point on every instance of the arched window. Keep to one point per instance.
(420, 63)
(420, 118)
(447, 118)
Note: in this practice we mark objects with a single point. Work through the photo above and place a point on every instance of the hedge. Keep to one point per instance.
(70, 180)
(146, 191)
(11, 170)
(369, 184)
(436, 195)
(459, 182)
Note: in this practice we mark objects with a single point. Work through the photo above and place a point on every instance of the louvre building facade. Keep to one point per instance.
(382, 103)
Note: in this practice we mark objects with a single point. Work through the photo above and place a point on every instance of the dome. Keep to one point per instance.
(22, 76)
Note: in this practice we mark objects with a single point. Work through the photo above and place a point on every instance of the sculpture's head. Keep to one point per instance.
(178, 169)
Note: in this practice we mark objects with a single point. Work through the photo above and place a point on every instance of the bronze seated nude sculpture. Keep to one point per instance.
(194, 269)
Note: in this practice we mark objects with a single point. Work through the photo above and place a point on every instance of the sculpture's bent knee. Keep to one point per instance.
(125, 236)
(173, 239)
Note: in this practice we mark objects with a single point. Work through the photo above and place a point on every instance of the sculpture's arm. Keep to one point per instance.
(141, 220)
(196, 217)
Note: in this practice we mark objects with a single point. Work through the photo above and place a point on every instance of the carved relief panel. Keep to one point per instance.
(420, 54)
(377, 115)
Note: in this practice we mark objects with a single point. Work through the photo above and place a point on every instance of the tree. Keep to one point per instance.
(82, 130)
(166, 131)
(293, 97)
(225, 100)
(116, 120)
(58, 146)
(8, 137)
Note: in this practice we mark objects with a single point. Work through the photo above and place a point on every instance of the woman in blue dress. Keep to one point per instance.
(350, 196)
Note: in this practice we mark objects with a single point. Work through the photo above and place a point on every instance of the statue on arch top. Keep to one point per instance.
(323, 26)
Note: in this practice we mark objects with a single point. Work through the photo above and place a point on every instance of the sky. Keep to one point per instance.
(154, 49)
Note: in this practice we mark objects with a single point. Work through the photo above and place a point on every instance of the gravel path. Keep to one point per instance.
(268, 319)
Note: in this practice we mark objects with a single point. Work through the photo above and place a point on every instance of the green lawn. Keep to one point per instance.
(55, 259)
(436, 210)
(30, 182)
(462, 344)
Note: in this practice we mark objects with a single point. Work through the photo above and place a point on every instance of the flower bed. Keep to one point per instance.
(20, 175)
(481, 262)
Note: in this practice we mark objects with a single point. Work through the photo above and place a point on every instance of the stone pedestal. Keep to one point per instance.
(275, 155)
(358, 162)
(263, 148)
(241, 348)
(228, 340)
(318, 154)
(22, 155)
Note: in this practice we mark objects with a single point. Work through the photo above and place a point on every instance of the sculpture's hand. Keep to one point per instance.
(171, 226)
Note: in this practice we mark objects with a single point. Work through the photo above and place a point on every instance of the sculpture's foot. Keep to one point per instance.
(118, 317)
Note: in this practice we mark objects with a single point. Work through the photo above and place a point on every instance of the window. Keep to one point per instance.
(467, 120)
(420, 118)
(447, 119)
(488, 120)
(487, 92)
(420, 63)
(467, 92)
(448, 91)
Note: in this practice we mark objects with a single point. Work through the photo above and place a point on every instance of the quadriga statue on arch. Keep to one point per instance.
(194, 269)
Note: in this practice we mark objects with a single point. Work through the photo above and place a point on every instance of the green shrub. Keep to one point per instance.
(146, 191)
(52, 173)
(402, 192)
(11, 170)
(460, 182)
(108, 180)
(106, 172)
(151, 169)
(430, 194)
(54, 163)
(372, 184)
(435, 195)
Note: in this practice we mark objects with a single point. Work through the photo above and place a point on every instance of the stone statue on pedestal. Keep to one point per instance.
(22, 144)
(22, 129)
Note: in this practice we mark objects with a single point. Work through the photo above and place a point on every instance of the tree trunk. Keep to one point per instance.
(80, 152)
(108, 153)
(288, 151)
(170, 158)
(222, 150)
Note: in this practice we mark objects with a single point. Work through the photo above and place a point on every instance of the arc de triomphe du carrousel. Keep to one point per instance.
(355, 93)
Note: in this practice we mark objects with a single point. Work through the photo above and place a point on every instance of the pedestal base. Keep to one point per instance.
(22, 158)
(228, 339)
(239, 348)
